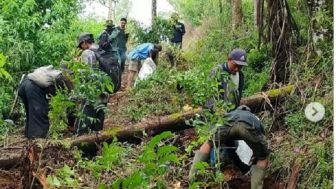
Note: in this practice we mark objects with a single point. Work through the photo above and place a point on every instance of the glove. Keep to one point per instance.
(199, 157)
(257, 177)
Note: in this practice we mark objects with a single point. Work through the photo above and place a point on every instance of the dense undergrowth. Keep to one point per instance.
(186, 83)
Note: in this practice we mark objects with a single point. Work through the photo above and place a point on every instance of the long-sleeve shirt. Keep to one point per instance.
(121, 39)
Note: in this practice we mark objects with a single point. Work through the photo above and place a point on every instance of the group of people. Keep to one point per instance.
(109, 56)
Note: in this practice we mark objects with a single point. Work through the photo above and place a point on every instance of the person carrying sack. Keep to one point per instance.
(36, 90)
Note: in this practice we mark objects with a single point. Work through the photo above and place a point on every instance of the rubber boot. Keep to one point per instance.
(257, 177)
(199, 157)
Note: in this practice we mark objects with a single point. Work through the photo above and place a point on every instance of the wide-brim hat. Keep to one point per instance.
(83, 37)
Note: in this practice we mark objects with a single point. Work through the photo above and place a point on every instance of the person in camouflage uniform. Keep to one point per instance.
(107, 40)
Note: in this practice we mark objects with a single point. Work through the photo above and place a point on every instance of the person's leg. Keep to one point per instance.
(85, 121)
(132, 71)
(122, 53)
(201, 155)
(257, 142)
(116, 77)
(22, 94)
(38, 107)
(100, 115)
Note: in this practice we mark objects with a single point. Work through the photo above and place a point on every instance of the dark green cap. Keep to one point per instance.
(109, 23)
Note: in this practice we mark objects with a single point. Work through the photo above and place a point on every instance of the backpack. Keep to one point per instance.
(109, 65)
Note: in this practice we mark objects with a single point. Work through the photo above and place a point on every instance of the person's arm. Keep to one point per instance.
(126, 36)
(113, 35)
(182, 29)
(241, 84)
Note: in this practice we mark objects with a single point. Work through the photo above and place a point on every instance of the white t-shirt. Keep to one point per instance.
(235, 79)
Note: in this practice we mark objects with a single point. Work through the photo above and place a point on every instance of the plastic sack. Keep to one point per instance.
(244, 152)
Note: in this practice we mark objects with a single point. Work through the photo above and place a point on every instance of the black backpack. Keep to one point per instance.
(109, 65)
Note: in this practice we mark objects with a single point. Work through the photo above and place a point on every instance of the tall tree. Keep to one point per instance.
(220, 5)
(280, 26)
(110, 9)
(237, 13)
(123, 8)
(154, 13)
(257, 12)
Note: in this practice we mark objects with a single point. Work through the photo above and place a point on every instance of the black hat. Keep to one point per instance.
(83, 37)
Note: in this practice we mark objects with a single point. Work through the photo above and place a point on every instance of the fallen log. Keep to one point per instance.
(164, 122)
(155, 123)
(160, 123)
(257, 101)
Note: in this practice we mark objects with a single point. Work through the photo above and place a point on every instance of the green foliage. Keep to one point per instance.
(64, 178)
(194, 10)
(148, 169)
(5, 94)
(60, 106)
(33, 33)
(160, 27)
(28, 26)
(150, 96)
(155, 159)
(3, 73)
(88, 84)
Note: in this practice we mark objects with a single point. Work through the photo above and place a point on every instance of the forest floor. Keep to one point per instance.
(55, 157)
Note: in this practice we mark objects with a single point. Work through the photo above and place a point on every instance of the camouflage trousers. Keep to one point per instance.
(253, 137)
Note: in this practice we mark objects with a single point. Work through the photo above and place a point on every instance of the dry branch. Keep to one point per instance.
(293, 178)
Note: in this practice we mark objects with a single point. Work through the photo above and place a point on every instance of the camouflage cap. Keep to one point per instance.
(109, 23)
(84, 36)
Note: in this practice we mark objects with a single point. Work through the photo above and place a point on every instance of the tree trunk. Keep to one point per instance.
(279, 36)
(110, 10)
(153, 10)
(260, 20)
(257, 13)
(220, 4)
(237, 13)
